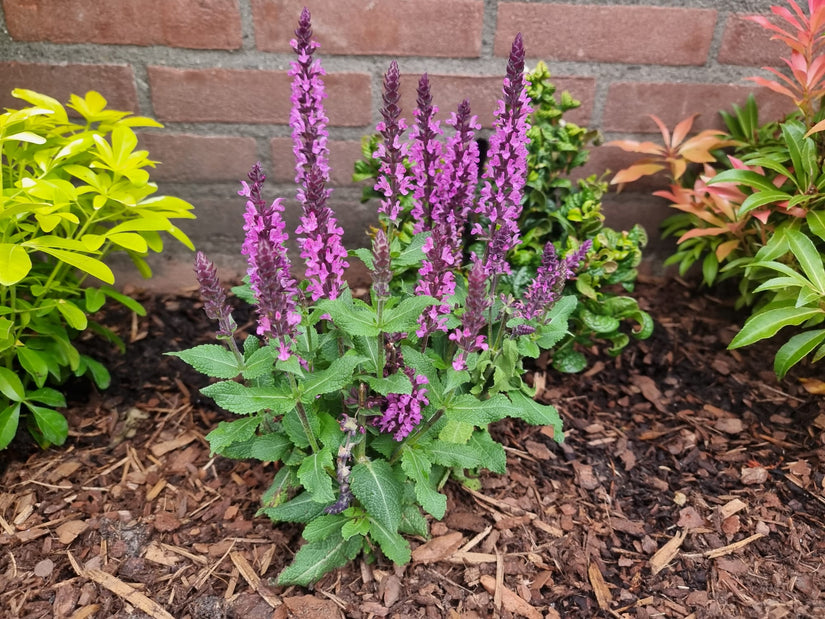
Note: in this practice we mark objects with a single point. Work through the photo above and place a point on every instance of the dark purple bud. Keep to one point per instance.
(213, 295)
(381, 273)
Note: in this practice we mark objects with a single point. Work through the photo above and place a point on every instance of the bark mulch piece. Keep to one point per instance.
(689, 484)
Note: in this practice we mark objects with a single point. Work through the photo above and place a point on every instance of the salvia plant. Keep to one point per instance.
(554, 209)
(73, 191)
(754, 209)
(369, 405)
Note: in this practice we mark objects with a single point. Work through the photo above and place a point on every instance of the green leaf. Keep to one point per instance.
(335, 377)
(315, 559)
(796, 349)
(211, 359)
(51, 424)
(243, 400)
(417, 467)
(405, 317)
(413, 523)
(353, 321)
(490, 453)
(15, 264)
(47, 396)
(356, 526)
(73, 314)
(100, 375)
(413, 253)
(364, 255)
(392, 544)
(300, 509)
(457, 432)
(33, 362)
(599, 323)
(9, 420)
(323, 526)
(743, 177)
(537, 414)
(394, 383)
(569, 360)
(95, 298)
(270, 447)
(768, 321)
(11, 386)
(92, 266)
(816, 222)
(124, 300)
(375, 486)
(230, 432)
(762, 198)
(314, 476)
(260, 363)
(469, 409)
(809, 259)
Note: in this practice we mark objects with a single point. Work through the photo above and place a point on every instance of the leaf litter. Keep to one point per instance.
(689, 484)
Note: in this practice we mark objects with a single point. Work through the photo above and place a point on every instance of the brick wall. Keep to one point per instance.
(214, 72)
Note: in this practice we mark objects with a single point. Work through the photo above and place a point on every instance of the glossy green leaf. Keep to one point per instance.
(9, 420)
(796, 349)
(92, 266)
(52, 425)
(73, 314)
(766, 323)
(809, 259)
(11, 386)
(15, 264)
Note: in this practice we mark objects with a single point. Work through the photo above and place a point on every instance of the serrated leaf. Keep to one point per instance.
(271, 447)
(210, 359)
(469, 409)
(314, 559)
(404, 317)
(456, 432)
(417, 467)
(259, 363)
(536, 414)
(413, 253)
(244, 400)
(392, 544)
(413, 523)
(491, 454)
(375, 486)
(229, 433)
(314, 476)
(335, 377)
(394, 383)
(300, 509)
(353, 321)
(323, 527)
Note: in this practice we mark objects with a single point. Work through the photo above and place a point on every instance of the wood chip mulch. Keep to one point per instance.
(690, 484)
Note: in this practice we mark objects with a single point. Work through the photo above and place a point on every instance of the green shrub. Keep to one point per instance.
(72, 192)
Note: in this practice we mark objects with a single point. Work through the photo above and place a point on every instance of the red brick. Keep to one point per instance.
(248, 96)
(749, 44)
(184, 158)
(115, 82)
(450, 28)
(483, 93)
(629, 104)
(342, 156)
(628, 34)
(177, 23)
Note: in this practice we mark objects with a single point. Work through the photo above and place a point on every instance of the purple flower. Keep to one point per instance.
(403, 411)
(393, 181)
(506, 172)
(381, 272)
(436, 279)
(467, 336)
(551, 276)
(425, 154)
(349, 426)
(455, 186)
(268, 266)
(321, 246)
(213, 295)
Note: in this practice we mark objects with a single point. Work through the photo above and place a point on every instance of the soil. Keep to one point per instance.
(689, 484)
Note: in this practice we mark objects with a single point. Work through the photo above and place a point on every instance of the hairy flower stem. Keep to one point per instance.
(302, 415)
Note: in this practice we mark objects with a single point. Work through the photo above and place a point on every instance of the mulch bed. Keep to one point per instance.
(690, 484)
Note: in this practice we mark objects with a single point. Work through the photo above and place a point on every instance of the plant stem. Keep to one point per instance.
(302, 415)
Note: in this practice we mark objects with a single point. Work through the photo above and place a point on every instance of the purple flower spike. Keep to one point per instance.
(321, 246)
(425, 153)
(381, 272)
(393, 181)
(436, 279)
(550, 279)
(403, 411)
(269, 270)
(506, 172)
(466, 336)
(455, 191)
(213, 295)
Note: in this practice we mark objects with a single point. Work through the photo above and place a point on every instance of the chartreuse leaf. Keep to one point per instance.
(417, 467)
(315, 559)
(229, 433)
(92, 266)
(796, 349)
(392, 544)
(15, 264)
(376, 487)
(211, 359)
(457, 432)
(73, 314)
(768, 321)
(94, 299)
(242, 400)
(9, 420)
(314, 476)
(536, 414)
(336, 376)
